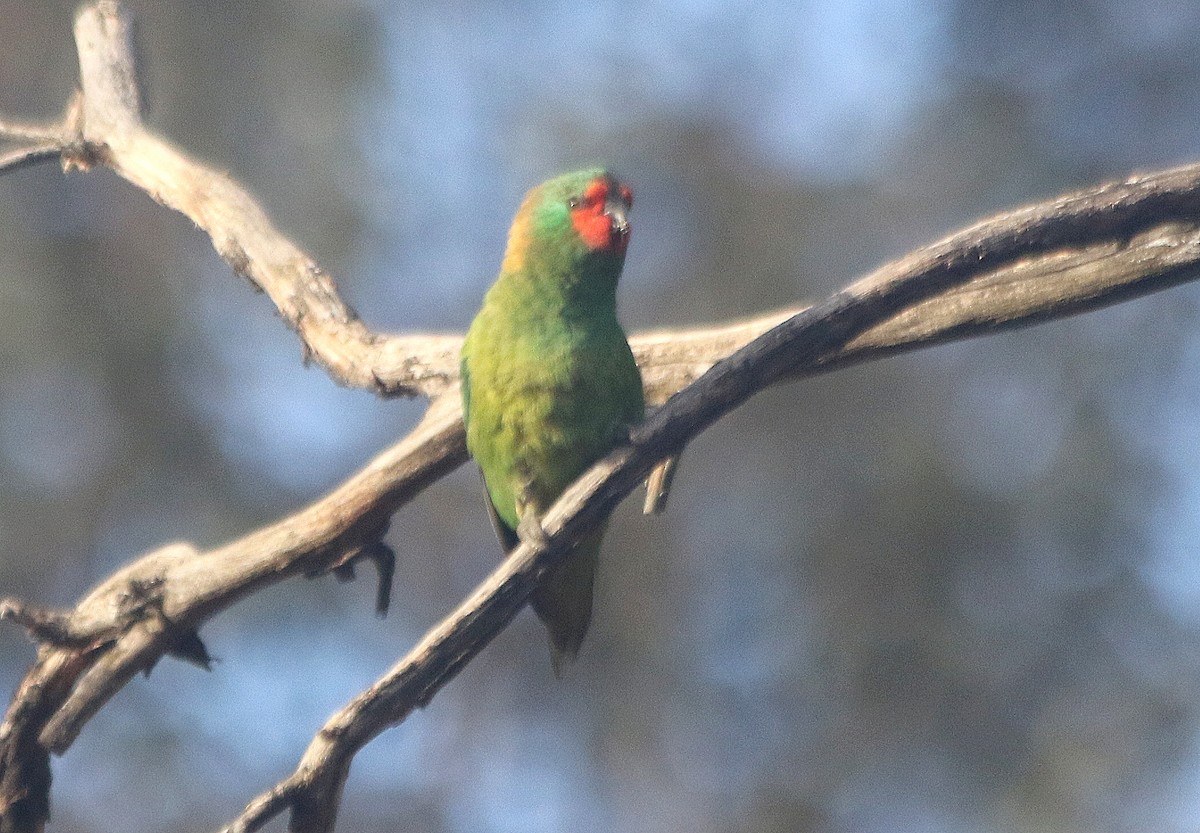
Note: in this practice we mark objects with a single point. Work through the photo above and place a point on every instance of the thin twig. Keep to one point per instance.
(28, 131)
(14, 160)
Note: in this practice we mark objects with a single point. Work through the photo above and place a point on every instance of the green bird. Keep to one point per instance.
(549, 383)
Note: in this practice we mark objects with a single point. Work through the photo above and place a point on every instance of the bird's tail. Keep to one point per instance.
(563, 601)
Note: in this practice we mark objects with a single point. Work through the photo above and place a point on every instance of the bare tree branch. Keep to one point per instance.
(813, 340)
(1048, 260)
(148, 607)
(29, 131)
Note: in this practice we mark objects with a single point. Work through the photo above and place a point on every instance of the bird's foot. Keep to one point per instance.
(530, 531)
(529, 521)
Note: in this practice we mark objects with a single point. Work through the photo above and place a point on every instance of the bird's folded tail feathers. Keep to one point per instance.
(563, 601)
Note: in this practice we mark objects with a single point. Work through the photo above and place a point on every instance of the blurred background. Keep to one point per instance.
(952, 591)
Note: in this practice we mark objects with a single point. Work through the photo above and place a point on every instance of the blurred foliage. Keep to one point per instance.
(953, 591)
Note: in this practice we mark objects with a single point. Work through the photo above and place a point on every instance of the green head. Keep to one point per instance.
(573, 225)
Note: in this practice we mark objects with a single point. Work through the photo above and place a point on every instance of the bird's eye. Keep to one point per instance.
(574, 203)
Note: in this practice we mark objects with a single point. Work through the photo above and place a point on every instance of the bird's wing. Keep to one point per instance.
(506, 534)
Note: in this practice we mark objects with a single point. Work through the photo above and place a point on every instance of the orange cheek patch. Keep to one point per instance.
(593, 226)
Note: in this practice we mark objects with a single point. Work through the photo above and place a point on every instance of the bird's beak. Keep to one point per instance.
(619, 213)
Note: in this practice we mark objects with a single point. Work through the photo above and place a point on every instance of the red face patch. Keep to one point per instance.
(601, 225)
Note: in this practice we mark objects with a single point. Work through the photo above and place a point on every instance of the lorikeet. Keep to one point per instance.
(548, 381)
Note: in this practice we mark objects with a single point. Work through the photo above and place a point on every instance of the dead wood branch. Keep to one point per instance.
(825, 335)
(1045, 261)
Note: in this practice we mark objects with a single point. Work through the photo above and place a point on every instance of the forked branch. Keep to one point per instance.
(1045, 261)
